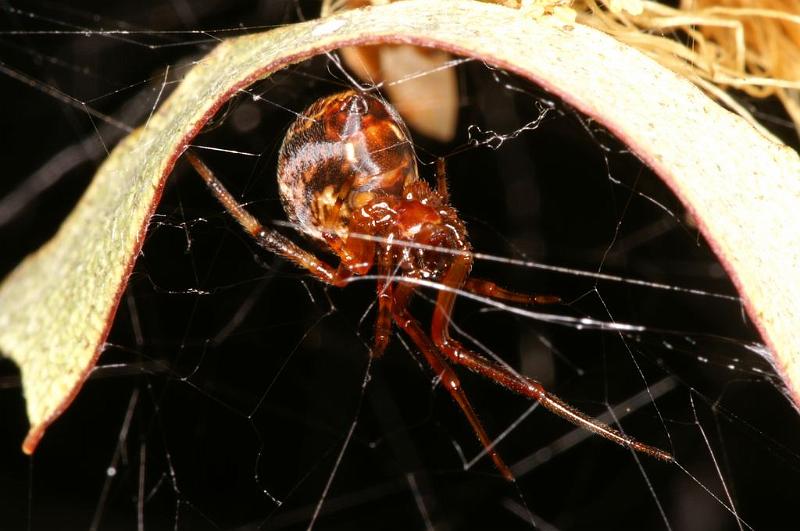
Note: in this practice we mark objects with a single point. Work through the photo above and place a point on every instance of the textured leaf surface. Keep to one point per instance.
(57, 306)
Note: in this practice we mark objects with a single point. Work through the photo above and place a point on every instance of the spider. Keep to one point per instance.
(348, 179)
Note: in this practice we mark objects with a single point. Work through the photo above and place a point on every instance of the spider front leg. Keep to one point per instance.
(266, 237)
(505, 376)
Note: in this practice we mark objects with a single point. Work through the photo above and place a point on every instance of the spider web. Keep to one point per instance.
(238, 393)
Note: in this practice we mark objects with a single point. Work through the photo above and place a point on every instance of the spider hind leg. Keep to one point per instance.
(441, 368)
(503, 375)
(489, 289)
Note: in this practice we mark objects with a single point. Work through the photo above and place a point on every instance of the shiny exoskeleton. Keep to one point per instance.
(348, 178)
(347, 165)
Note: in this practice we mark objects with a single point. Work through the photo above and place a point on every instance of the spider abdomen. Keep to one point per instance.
(344, 152)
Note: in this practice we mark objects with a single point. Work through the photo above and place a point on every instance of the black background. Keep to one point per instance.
(210, 325)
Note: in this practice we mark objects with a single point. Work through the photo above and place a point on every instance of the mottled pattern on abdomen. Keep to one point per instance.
(308, 181)
(335, 157)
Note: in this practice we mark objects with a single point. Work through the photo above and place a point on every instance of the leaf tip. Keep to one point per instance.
(31, 441)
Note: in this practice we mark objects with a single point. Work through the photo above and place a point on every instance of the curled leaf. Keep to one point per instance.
(56, 307)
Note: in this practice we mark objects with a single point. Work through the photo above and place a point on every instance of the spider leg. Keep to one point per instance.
(487, 288)
(451, 382)
(441, 180)
(383, 323)
(508, 378)
(481, 286)
(266, 237)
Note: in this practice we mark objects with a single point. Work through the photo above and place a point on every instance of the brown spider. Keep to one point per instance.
(348, 178)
